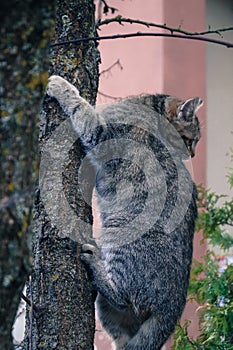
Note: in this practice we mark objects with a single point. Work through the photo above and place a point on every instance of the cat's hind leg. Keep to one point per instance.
(100, 277)
(121, 325)
(151, 335)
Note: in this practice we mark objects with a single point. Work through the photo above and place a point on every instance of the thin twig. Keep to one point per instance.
(117, 63)
(28, 301)
(108, 96)
(229, 223)
(139, 34)
(120, 20)
(107, 8)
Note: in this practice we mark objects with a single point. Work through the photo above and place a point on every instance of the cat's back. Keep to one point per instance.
(136, 109)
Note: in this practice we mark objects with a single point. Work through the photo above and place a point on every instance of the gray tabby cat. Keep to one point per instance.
(140, 264)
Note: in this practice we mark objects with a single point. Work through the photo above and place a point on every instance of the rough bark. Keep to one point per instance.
(62, 316)
(24, 31)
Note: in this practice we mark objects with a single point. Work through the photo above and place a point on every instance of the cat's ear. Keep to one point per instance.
(187, 110)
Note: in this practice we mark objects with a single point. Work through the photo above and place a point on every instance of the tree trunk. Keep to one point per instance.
(24, 33)
(62, 316)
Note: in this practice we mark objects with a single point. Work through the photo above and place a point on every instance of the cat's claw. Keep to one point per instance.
(89, 248)
(89, 253)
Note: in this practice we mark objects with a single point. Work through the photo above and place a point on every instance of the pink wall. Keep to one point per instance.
(184, 71)
(141, 58)
(159, 65)
(184, 75)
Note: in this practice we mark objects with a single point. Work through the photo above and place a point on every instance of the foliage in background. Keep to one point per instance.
(24, 39)
(211, 283)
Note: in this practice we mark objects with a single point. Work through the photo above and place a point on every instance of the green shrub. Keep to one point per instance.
(211, 281)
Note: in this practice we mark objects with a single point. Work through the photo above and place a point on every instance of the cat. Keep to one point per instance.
(140, 263)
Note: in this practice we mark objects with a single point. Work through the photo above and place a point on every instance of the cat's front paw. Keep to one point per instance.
(54, 86)
(60, 88)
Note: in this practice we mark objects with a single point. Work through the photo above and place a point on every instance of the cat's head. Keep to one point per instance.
(182, 115)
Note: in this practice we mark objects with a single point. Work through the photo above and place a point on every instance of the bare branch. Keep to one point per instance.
(119, 19)
(109, 96)
(28, 301)
(108, 8)
(139, 34)
(117, 63)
